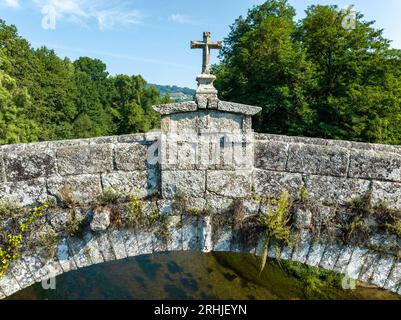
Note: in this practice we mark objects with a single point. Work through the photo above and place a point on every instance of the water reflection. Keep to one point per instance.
(188, 275)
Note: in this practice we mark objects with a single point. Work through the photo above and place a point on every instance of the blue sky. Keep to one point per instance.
(151, 37)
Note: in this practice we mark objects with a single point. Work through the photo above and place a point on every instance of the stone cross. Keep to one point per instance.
(206, 45)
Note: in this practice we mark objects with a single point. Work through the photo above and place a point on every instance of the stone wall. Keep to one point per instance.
(33, 173)
(333, 172)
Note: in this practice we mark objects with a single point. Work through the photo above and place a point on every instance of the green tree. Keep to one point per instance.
(263, 65)
(356, 94)
(15, 125)
(313, 77)
(132, 102)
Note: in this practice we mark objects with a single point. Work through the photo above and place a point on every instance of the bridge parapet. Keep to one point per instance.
(203, 182)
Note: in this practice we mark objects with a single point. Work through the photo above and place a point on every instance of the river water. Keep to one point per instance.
(192, 275)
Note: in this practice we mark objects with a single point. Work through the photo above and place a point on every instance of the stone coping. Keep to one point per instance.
(190, 106)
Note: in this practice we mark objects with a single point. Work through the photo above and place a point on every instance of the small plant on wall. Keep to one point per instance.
(277, 225)
(12, 236)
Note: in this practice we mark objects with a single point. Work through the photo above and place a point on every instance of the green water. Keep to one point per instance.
(191, 275)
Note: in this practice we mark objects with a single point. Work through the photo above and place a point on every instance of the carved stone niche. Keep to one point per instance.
(218, 137)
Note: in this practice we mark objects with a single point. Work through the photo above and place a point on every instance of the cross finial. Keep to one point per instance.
(206, 45)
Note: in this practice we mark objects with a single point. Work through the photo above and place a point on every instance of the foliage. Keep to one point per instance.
(314, 279)
(136, 214)
(277, 224)
(75, 224)
(313, 77)
(11, 240)
(109, 196)
(44, 97)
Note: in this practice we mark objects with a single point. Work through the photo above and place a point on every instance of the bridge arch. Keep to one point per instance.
(195, 233)
(341, 208)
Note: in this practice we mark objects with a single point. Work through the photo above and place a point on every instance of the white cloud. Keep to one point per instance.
(107, 19)
(182, 19)
(107, 14)
(12, 3)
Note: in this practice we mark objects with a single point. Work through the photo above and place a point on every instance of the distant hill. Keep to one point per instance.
(178, 94)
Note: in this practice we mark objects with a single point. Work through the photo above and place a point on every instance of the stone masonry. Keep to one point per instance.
(205, 148)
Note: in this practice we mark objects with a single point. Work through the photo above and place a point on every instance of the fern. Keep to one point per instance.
(278, 227)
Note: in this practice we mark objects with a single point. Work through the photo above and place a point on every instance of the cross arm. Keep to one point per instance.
(216, 45)
(197, 44)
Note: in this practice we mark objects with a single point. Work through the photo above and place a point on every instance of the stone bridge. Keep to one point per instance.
(204, 182)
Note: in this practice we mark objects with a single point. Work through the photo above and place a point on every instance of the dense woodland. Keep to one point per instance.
(44, 97)
(311, 77)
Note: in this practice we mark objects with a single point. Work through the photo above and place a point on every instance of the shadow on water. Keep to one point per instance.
(193, 275)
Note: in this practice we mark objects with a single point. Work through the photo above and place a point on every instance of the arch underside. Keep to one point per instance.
(195, 234)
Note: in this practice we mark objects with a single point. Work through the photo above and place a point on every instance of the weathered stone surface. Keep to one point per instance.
(89, 160)
(131, 244)
(22, 274)
(68, 143)
(272, 184)
(170, 108)
(388, 193)
(191, 233)
(251, 207)
(393, 281)
(206, 232)
(53, 269)
(174, 228)
(101, 219)
(36, 266)
(144, 240)
(332, 190)
(166, 207)
(222, 239)
(220, 122)
(30, 163)
(218, 204)
(375, 165)
(130, 156)
(382, 270)
(315, 254)
(190, 182)
(236, 184)
(239, 108)
(80, 252)
(354, 268)
(130, 138)
(298, 139)
(81, 189)
(330, 256)
(343, 259)
(92, 248)
(185, 123)
(314, 159)
(271, 155)
(58, 219)
(64, 256)
(116, 238)
(105, 247)
(371, 258)
(284, 252)
(159, 243)
(302, 218)
(302, 247)
(135, 182)
(9, 285)
(375, 147)
(24, 192)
